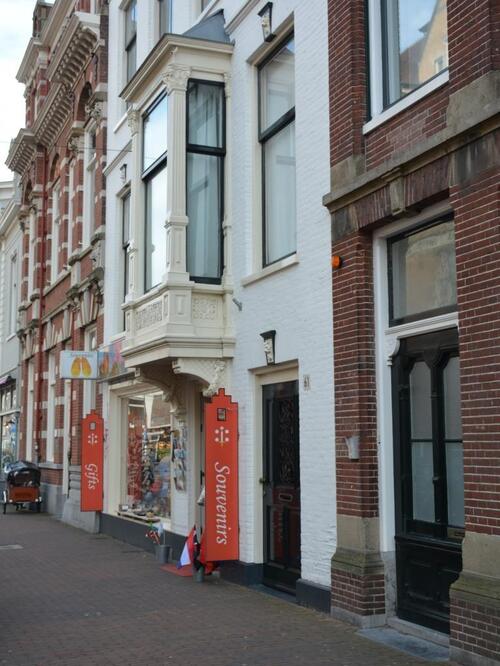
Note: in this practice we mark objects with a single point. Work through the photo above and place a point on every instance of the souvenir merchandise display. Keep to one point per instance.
(149, 454)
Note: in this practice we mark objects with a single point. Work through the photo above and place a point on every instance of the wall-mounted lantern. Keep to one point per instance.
(266, 21)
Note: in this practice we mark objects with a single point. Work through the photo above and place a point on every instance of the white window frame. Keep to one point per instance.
(89, 173)
(51, 407)
(378, 114)
(387, 340)
(13, 294)
(56, 232)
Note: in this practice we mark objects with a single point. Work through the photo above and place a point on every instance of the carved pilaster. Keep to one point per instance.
(133, 119)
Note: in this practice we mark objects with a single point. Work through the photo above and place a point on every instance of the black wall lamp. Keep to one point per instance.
(266, 21)
(269, 350)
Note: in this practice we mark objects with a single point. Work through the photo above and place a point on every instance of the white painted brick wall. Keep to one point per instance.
(295, 302)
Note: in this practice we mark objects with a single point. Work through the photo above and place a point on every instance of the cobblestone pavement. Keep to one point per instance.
(70, 598)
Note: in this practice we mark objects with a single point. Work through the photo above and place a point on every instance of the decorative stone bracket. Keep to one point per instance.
(211, 372)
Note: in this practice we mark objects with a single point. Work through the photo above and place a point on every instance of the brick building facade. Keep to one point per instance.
(60, 156)
(410, 173)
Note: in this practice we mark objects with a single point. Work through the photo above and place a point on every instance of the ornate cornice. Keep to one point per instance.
(22, 150)
(77, 44)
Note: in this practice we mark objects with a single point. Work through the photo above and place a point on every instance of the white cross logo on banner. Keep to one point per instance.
(222, 435)
(92, 439)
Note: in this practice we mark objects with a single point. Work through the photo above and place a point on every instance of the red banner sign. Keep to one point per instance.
(92, 462)
(221, 479)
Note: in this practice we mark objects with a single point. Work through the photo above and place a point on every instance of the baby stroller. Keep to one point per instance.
(22, 485)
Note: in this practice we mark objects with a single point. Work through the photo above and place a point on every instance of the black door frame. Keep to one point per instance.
(421, 546)
(275, 575)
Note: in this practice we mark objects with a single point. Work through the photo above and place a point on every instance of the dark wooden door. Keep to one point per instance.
(281, 485)
(429, 481)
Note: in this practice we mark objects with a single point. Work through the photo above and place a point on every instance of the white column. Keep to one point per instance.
(176, 79)
(135, 285)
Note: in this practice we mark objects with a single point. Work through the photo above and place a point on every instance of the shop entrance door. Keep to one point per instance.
(281, 483)
(429, 482)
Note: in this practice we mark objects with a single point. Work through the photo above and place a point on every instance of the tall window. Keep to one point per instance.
(30, 409)
(71, 191)
(414, 44)
(205, 177)
(89, 185)
(125, 242)
(154, 175)
(277, 137)
(31, 253)
(165, 16)
(56, 232)
(51, 407)
(131, 39)
(13, 294)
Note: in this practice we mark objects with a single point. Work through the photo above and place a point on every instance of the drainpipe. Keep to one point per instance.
(41, 284)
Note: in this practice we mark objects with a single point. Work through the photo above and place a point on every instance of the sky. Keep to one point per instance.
(15, 32)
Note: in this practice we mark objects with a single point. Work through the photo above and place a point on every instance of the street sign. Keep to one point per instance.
(79, 365)
(221, 479)
(92, 462)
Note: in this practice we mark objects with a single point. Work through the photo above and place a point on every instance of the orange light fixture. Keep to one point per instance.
(336, 261)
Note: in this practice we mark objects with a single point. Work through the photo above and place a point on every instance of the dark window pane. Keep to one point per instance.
(205, 119)
(204, 183)
(165, 16)
(279, 168)
(277, 86)
(423, 271)
(130, 21)
(131, 59)
(416, 44)
(156, 234)
(423, 488)
(154, 134)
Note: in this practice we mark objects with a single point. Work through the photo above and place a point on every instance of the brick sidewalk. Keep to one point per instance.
(70, 598)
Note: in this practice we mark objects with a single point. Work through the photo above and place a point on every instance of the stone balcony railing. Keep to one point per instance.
(178, 321)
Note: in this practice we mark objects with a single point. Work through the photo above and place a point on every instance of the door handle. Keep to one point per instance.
(263, 481)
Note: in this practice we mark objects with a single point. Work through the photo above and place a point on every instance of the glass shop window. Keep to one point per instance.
(149, 456)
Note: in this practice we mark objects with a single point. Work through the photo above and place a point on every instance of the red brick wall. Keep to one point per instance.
(474, 628)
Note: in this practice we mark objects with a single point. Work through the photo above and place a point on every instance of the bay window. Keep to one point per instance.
(277, 138)
(154, 176)
(205, 176)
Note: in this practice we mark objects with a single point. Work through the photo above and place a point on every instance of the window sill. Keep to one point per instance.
(50, 465)
(407, 101)
(278, 266)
